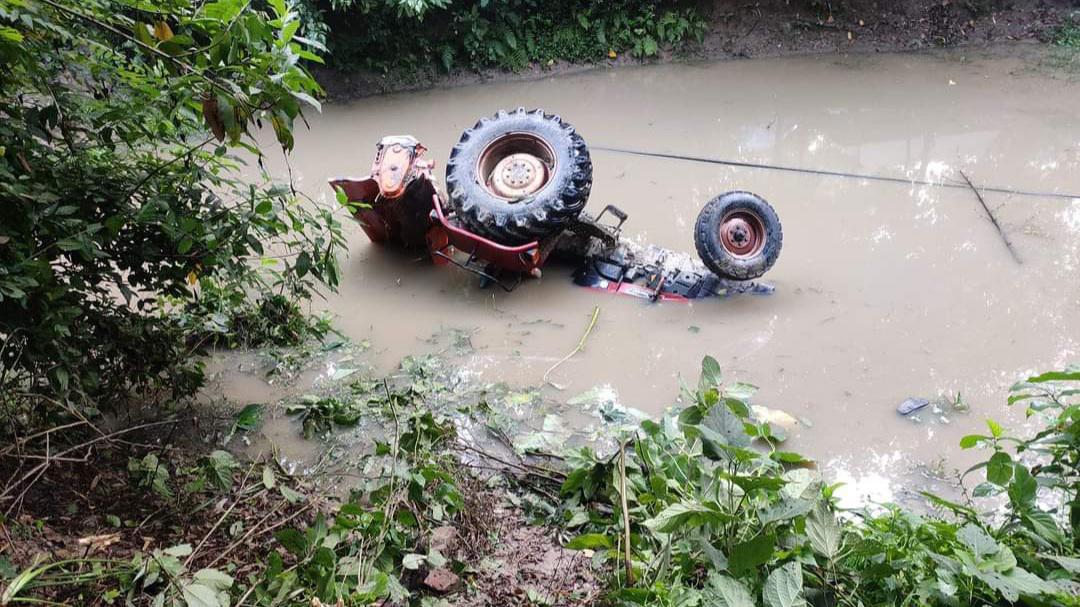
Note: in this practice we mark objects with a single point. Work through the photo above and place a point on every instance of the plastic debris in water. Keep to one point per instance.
(912, 405)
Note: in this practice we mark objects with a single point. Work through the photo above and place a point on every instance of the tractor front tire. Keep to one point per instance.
(738, 236)
(519, 176)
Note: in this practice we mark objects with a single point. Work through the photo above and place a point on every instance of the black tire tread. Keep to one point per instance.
(711, 250)
(549, 212)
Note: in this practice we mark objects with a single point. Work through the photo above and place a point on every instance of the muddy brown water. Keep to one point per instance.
(883, 291)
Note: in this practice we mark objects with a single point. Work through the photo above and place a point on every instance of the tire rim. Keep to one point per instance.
(515, 166)
(742, 233)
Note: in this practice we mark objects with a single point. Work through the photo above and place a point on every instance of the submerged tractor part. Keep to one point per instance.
(517, 183)
(393, 203)
(397, 161)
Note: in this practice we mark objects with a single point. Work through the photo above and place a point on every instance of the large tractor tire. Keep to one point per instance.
(519, 176)
(738, 235)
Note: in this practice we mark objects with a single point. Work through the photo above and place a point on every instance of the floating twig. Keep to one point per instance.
(993, 219)
(580, 346)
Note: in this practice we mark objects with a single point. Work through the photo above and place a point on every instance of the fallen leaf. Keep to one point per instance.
(162, 31)
(213, 118)
(99, 542)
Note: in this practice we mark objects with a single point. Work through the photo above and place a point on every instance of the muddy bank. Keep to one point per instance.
(777, 28)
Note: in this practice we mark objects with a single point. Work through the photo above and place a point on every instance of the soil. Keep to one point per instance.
(773, 28)
(92, 509)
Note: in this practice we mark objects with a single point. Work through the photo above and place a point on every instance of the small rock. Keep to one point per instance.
(442, 580)
(775, 417)
(443, 539)
(911, 405)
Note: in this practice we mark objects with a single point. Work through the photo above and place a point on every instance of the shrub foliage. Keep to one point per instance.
(119, 201)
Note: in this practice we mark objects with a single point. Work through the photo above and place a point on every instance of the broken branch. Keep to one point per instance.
(580, 346)
(993, 219)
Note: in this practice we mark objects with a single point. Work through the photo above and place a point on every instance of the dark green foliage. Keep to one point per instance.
(235, 320)
(509, 34)
(1068, 34)
(120, 209)
(716, 516)
(717, 519)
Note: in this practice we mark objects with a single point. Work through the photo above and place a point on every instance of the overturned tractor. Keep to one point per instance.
(516, 188)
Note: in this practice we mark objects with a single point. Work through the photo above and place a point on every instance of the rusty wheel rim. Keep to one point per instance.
(515, 166)
(742, 233)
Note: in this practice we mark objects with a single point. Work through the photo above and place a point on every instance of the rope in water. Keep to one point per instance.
(826, 173)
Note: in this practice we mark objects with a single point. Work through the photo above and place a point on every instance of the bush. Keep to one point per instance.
(508, 34)
(119, 202)
(1068, 33)
(711, 518)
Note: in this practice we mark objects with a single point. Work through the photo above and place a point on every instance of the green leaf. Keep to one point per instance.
(14, 36)
(686, 514)
(784, 510)
(1023, 487)
(710, 373)
(280, 9)
(269, 479)
(143, 33)
(197, 595)
(995, 428)
(179, 550)
(303, 263)
(249, 417)
(784, 586)
(70, 244)
(1015, 583)
(999, 468)
(589, 541)
(214, 579)
(289, 30)
(740, 391)
(649, 47)
(824, 532)
(292, 540)
(753, 553)
(219, 467)
(308, 99)
(1055, 376)
(752, 483)
(1043, 524)
(944, 503)
(971, 440)
(291, 496)
(977, 540)
(724, 591)
(1070, 564)
(727, 428)
(986, 490)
